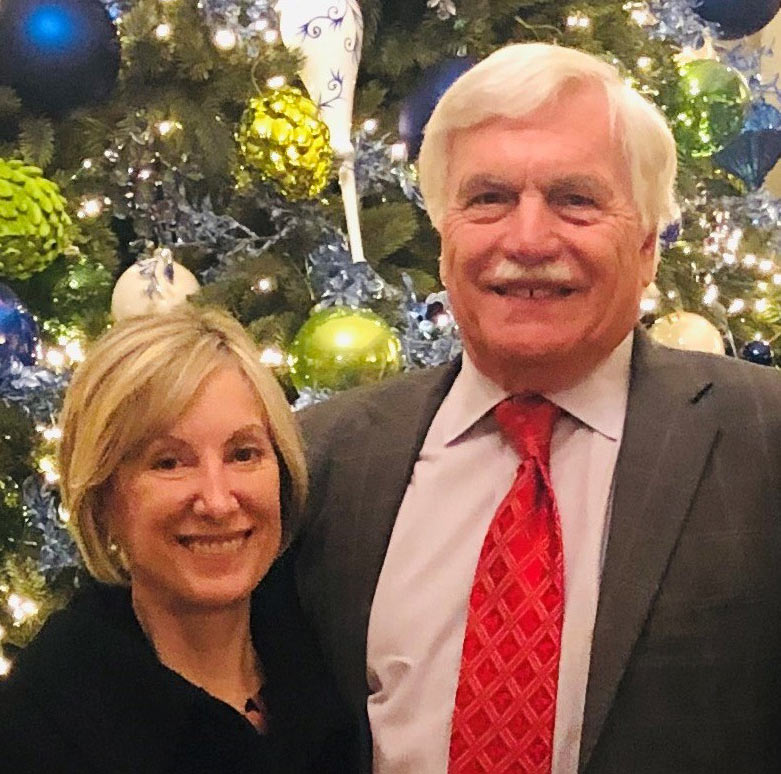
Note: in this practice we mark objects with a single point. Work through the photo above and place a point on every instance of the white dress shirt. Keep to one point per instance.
(418, 615)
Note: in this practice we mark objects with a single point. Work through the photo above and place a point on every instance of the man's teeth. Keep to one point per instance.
(213, 545)
(534, 292)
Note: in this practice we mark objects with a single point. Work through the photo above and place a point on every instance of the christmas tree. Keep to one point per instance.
(173, 144)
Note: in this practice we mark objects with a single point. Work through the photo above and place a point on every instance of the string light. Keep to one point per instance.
(164, 128)
(163, 31)
(398, 151)
(5, 666)
(48, 467)
(749, 260)
(270, 36)
(777, 279)
(737, 306)
(55, 357)
(265, 285)
(21, 608)
(578, 20)
(273, 357)
(86, 164)
(370, 125)
(648, 305)
(761, 305)
(225, 39)
(710, 295)
(90, 207)
(644, 62)
(766, 266)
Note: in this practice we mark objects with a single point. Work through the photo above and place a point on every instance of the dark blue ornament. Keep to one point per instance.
(758, 352)
(762, 115)
(751, 155)
(670, 235)
(738, 18)
(418, 106)
(58, 54)
(18, 331)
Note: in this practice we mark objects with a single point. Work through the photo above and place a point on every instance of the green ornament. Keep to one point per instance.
(34, 226)
(713, 100)
(342, 347)
(282, 139)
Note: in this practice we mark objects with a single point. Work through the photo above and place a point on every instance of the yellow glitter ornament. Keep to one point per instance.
(282, 139)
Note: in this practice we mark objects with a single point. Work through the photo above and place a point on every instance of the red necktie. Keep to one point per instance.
(506, 699)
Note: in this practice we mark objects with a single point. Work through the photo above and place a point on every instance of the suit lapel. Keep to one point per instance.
(668, 435)
(372, 480)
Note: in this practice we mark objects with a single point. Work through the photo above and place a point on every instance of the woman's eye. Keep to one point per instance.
(168, 462)
(246, 453)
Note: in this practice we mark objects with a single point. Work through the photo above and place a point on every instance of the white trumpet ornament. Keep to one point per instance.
(329, 34)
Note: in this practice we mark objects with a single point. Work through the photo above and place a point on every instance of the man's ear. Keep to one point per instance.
(443, 266)
(649, 257)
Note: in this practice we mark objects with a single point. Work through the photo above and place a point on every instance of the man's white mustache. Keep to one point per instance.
(543, 273)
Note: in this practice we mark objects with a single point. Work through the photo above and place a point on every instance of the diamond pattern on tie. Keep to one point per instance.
(506, 698)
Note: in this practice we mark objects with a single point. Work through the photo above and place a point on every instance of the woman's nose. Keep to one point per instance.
(215, 497)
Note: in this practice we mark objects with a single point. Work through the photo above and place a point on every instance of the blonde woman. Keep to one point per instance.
(183, 473)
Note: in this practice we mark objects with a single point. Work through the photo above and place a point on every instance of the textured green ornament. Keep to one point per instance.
(342, 347)
(34, 226)
(713, 102)
(282, 139)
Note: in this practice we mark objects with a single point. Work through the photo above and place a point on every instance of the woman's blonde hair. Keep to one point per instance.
(136, 381)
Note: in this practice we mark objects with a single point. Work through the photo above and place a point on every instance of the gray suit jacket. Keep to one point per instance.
(686, 660)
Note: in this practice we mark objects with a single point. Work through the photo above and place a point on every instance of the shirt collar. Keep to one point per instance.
(598, 401)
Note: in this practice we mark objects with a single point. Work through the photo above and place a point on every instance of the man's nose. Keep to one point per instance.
(215, 497)
(530, 230)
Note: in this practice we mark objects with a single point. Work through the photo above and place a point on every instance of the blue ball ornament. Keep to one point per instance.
(759, 352)
(58, 54)
(418, 106)
(751, 156)
(738, 18)
(18, 330)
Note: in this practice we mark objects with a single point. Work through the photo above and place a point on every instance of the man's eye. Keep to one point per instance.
(488, 198)
(578, 200)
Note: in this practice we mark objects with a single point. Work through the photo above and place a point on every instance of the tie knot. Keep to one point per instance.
(527, 422)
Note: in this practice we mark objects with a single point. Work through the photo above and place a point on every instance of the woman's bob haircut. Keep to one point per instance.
(135, 383)
(518, 79)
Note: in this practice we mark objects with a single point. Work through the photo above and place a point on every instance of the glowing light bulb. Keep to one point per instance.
(5, 666)
(90, 208)
(163, 31)
(270, 36)
(74, 351)
(398, 151)
(21, 608)
(272, 357)
(644, 62)
(276, 81)
(738, 305)
(225, 39)
(710, 295)
(370, 125)
(55, 358)
(264, 285)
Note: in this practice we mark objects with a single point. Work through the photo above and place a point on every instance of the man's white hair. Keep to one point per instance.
(516, 80)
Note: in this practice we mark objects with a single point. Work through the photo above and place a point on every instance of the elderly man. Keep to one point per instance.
(562, 553)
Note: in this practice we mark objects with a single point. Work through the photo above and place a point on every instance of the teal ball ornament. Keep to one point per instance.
(713, 101)
(342, 347)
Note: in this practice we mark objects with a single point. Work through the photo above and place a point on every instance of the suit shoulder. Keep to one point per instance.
(355, 403)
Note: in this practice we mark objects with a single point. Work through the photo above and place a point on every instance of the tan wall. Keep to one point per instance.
(771, 36)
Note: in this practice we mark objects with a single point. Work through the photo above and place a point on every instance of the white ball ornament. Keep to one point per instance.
(686, 330)
(152, 286)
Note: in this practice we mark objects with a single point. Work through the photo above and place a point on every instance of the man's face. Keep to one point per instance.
(543, 253)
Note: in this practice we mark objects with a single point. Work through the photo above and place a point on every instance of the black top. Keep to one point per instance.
(89, 695)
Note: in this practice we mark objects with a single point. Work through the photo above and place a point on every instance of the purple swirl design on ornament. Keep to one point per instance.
(311, 29)
(352, 44)
(335, 84)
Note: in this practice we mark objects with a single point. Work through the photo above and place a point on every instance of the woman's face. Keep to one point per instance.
(197, 512)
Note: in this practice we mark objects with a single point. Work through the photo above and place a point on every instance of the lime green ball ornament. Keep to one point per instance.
(713, 102)
(342, 347)
(282, 139)
(34, 226)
